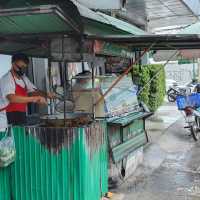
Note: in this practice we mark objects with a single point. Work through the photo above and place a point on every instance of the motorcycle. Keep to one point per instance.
(192, 118)
(173, 92)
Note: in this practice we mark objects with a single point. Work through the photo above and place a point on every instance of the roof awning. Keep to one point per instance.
(158, 42)
(28, 26)
(40, 19)
(157, 14)
(38, 46)
(190, 31)
(49, 16)
(99, 23)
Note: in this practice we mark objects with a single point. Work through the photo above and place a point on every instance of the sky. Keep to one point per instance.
(5, 63)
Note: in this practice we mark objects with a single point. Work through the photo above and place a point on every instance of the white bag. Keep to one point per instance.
(7, 148)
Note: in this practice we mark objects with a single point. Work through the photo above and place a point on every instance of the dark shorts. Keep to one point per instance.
(16, 118)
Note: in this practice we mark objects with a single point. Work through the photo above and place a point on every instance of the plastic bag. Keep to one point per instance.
(7, 149)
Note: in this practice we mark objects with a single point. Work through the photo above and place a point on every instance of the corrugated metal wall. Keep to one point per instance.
(57, 164)
(123, 141)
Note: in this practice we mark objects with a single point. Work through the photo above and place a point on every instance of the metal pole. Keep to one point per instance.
(93, 85)
(82, 64)
(81, 52)
(198, 63)
(193, 70)
(65, 89)
(64, 78)
(50, 77)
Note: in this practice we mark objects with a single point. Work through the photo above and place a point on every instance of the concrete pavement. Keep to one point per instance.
(171, 167)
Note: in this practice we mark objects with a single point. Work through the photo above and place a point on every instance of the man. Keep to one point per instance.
(16, 91)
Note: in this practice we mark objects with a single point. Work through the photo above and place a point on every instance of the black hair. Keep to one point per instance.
(20, 56)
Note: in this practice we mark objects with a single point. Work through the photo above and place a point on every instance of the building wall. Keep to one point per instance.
(180, 73)
(5, 64)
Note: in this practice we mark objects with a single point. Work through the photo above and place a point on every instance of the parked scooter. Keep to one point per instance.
(173, 92)
(192, 118)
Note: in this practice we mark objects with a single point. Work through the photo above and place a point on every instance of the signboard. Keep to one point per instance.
(122, 98)
(184, 61)
(105, 48)
(116, 64)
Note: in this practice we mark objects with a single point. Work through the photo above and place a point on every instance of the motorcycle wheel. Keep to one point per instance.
(171, 99)
(194, 129)
(171, 96)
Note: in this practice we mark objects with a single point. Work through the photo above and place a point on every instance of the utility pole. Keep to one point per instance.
(198, 64)
(193, 71)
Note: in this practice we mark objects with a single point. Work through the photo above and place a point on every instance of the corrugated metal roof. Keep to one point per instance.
(108, 20)
(31, 17)
(160, 13)
(40, 23)
(28, 16)
(123, 25)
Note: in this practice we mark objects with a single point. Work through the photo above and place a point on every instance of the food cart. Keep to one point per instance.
(126, 129)
(59, 156)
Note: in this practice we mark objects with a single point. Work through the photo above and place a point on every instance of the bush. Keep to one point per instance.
(153, 94)
(157, 86)
(141, 76)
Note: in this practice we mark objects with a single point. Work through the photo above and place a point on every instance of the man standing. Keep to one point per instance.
(16, 91)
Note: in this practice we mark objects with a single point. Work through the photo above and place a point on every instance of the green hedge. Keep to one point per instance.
(153, 94)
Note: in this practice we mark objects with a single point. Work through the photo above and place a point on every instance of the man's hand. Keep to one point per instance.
(39, 100)
(51, 95)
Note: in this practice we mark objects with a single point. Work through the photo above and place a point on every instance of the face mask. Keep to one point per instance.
(20, 71)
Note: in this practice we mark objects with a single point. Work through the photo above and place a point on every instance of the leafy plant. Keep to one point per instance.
(152, 91)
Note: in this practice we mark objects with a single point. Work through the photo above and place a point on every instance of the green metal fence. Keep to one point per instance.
(124, 140)
(57, 164)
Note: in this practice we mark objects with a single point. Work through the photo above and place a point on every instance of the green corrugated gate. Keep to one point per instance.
(126, 138)
(57, 164)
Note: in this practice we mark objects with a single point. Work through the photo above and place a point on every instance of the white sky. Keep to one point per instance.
(5, 63)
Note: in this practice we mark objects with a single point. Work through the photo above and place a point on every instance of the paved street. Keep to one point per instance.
(171, 168)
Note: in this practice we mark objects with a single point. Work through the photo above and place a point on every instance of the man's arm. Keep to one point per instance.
(38, 93)
(43, 94)
(21, 99)
(33, 91)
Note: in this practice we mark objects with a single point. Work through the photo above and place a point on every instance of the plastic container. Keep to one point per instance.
(192, 100)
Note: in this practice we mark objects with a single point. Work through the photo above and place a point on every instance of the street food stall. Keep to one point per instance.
(68, 148)
(60, 155)
(64, 154)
